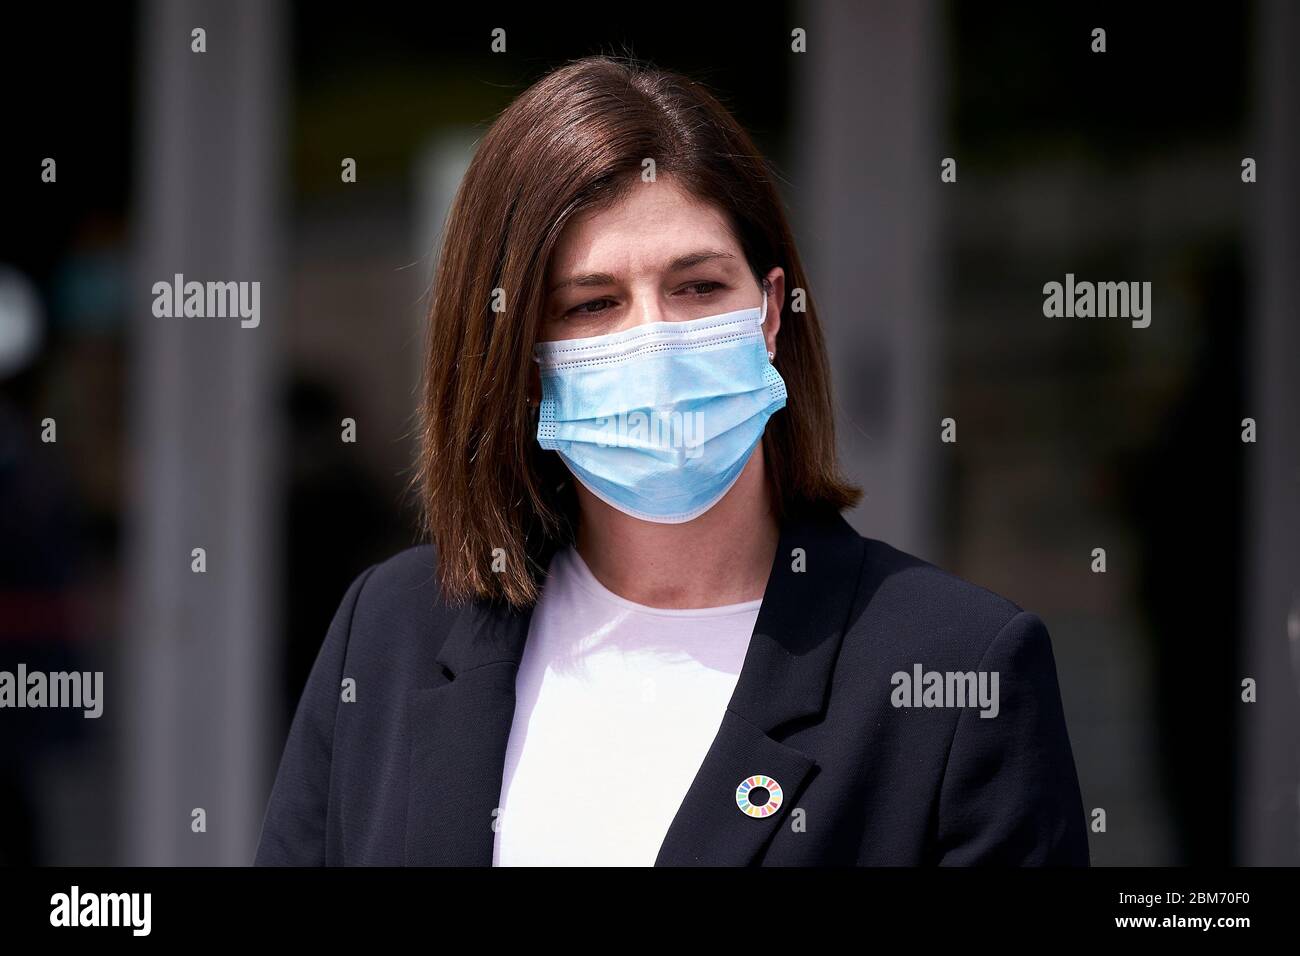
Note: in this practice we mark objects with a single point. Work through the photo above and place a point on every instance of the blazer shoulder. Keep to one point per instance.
(929, 603)
(400, 604)
(408, 575)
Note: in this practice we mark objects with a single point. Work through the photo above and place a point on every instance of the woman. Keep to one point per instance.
(643, 633)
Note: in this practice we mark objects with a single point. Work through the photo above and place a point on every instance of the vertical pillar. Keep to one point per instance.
(203, 411)
(1268, 803)
(865, 212)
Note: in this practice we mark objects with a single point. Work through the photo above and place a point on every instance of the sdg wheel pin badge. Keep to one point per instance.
(758, 796)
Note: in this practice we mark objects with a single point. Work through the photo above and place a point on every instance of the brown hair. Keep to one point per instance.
(571, 142)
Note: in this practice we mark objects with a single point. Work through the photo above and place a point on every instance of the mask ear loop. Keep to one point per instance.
(762, 318)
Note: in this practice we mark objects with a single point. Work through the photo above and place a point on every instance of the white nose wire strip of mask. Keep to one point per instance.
(602, 346)
(656, 337)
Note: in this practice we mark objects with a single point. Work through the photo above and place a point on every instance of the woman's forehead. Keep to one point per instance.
(651, 226)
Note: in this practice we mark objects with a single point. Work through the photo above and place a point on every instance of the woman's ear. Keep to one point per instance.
(774, 288)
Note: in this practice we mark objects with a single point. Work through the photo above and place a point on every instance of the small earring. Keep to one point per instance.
(770, 356)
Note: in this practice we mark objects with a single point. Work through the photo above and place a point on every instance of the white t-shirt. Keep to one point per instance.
(617, 704)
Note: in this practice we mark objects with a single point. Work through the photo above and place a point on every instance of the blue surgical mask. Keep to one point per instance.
(659, 420)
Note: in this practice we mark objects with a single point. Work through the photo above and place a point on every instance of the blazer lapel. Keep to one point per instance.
(785, 677)
(459, 729)
(458, 734)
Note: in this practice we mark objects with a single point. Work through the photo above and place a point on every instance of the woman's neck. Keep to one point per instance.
(722, 557)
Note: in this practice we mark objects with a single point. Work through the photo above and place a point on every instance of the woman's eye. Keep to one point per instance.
(597, 306)
(702, 288)
(593, 307)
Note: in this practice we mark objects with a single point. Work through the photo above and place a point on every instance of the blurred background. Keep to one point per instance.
(1072, 434)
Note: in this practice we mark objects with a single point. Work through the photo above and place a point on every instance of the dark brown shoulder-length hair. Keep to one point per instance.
(496, 504)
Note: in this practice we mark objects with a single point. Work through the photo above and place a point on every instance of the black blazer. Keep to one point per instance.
(410, 772)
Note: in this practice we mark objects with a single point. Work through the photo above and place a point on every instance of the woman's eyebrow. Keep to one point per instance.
(692, 259)
(597, 279)
(590, 279)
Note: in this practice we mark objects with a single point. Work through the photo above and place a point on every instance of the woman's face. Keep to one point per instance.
(658, 255)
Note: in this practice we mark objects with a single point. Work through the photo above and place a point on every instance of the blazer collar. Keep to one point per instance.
(459, 729)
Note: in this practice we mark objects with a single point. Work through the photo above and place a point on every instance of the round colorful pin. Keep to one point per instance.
(758, 796)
